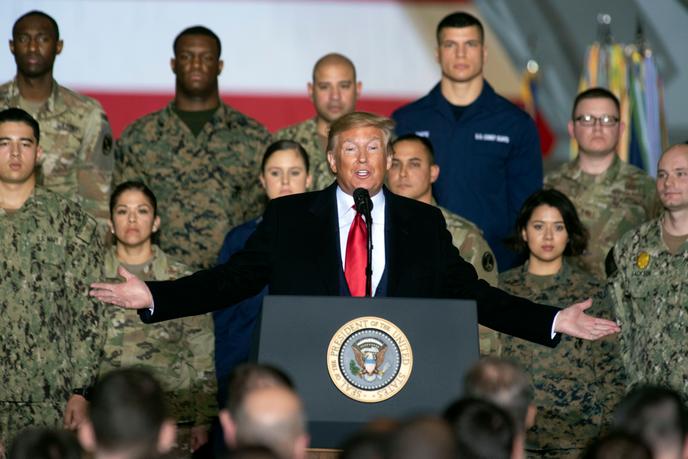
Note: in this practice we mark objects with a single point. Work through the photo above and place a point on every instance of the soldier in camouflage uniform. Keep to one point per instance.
(412, 174)
(610, 195)
(198, 155)
(52, 331)
(650, 284)
(76, 137)
(334, 92)
(578, 383)
(179, 353)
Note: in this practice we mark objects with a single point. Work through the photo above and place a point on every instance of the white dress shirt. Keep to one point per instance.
(346, 213)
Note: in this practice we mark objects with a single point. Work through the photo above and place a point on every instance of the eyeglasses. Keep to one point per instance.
(590, 120)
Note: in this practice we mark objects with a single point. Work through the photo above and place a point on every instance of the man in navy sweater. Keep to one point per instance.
(487, 148)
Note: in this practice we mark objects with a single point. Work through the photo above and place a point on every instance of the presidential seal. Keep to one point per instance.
(369, 359)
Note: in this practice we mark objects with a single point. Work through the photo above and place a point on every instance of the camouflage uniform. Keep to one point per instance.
(179, 353)
(306, 133)
(608, 204)
(205, 184)
(577, 383)
(52, 331)
(475, 250)
(650, 295)
(77, 142)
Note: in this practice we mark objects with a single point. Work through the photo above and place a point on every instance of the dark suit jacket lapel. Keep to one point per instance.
(396, 237)
(324, 231)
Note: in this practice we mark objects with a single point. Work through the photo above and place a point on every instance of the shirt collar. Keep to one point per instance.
(345, 203)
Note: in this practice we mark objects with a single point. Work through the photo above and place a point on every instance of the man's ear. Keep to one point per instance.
(684, 453)
(228, 428)
(87, 436)
(300, 446)
(167, 436)
(331, 162)
(434, 173)
(530, 416)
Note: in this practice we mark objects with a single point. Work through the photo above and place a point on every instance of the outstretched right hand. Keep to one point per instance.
(133, 293)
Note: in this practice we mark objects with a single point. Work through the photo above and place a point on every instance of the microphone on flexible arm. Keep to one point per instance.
(364, 206)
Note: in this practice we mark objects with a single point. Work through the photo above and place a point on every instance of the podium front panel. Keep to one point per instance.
(295, 333)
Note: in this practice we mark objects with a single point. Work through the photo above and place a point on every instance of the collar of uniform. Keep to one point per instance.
(50, 106)
(35, 198)
(482, 103)
(538, 282)
(158, 263)
(608, 176)
(172, 120)
(346, 212)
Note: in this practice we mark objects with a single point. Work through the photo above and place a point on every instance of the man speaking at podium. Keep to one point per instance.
(317, 244)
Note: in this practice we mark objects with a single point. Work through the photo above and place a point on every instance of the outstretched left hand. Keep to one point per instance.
(575, 322)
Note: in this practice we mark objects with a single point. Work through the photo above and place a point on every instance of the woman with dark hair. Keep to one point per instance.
(284, 171)
(577, 383)
(178, 352)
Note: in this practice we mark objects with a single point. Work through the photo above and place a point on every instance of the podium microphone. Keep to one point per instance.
(362, 202)
(364, 205)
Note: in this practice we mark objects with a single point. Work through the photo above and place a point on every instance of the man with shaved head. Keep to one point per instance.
(649, 284)
(272, 416)
(334, 92)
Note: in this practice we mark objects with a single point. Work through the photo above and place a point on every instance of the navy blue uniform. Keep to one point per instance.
(234, 326)
(489, 159)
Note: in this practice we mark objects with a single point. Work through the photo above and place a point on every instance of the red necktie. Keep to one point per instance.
(356, 257)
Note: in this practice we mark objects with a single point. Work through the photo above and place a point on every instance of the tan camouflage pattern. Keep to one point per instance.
(52, 331)
(205, 184)
(179, 353)
(475, 250)
(77, 147)
(578, 383)
(306, 133)
(608, 204)
(650, 295)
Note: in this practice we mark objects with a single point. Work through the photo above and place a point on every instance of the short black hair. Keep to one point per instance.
(416, 138)
(248, 376)
(595, 93)
(578, 234)
(655, 413)
(127, 410)
(17, 115)
(459, 20)
(286, 144)
(503, 382)
(198, 30)
(133, 185)
(482, 430)
(617, 445)
(53, 22)
(44, 443)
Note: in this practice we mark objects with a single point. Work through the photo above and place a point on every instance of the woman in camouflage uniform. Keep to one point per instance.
(578, 382)
(178, 352)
